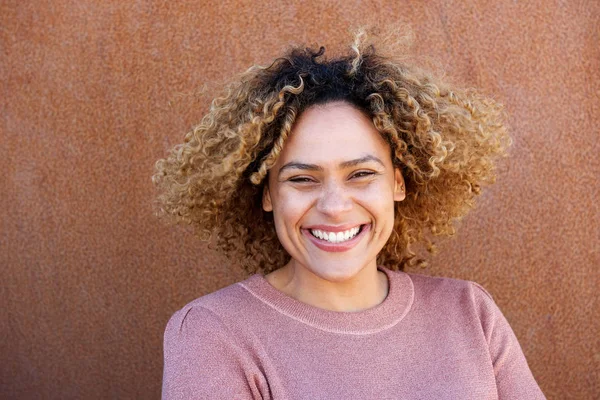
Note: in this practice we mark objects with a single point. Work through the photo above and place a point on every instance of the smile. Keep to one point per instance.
(335, 237)
(338, 241)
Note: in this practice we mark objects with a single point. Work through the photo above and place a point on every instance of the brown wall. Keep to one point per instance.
(93, 93)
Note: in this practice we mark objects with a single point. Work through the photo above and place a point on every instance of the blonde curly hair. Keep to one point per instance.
(444, 139)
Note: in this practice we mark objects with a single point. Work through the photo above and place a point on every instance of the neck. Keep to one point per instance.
(364, 290)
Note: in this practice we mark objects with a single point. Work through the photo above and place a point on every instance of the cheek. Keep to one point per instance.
(289, 208)
(378, 201)
(378, 197)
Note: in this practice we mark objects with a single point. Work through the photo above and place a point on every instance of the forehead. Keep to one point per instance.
(334, 132)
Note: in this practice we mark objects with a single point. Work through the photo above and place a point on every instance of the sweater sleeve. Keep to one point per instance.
(203, 360)
(514, 379)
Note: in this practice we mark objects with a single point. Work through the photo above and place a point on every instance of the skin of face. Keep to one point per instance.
(334, 173)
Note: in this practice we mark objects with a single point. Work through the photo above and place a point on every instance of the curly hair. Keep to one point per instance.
(444, 140)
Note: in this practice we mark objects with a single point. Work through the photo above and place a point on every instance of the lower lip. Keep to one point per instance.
(338, 247)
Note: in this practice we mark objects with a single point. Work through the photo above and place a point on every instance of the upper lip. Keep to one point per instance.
(331, 228)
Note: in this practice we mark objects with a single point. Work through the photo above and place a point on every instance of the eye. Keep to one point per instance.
(362, 174)
(301, 179)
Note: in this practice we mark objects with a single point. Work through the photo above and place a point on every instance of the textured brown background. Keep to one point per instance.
(93, 93)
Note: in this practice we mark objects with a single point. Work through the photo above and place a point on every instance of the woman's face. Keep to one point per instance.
(332, 192)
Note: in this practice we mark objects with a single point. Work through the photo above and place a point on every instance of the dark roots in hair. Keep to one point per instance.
(444, 139)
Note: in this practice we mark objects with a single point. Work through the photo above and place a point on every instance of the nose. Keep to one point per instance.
(334, 200)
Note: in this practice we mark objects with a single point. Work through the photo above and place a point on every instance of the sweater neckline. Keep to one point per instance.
(376, 319)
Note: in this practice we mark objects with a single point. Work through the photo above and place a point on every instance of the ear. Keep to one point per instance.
(399, 188)
(266, 199)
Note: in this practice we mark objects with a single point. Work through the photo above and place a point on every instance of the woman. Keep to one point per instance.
(320, 175)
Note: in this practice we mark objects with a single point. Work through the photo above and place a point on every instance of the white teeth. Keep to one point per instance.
(335, 237)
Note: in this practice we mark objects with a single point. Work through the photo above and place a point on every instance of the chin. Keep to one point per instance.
(337, 271)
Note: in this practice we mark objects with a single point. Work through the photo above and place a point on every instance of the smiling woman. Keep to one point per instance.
(332, 193)
(319, 175)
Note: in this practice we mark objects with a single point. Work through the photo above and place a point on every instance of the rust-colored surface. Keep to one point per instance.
(90, 99)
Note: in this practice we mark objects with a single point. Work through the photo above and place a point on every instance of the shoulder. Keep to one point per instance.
(460, 300)
(211, 311)
(205, 352)
(446, 287)
(451, 295)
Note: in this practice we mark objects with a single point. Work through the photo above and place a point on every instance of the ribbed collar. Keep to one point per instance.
(381, 317)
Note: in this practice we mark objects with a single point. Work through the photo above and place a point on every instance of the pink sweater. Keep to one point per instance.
(431, 338)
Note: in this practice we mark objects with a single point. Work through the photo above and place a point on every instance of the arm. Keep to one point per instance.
(514, 379)
(203, 360)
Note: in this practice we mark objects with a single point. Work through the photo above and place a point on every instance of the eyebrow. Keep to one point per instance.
(345, 164)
